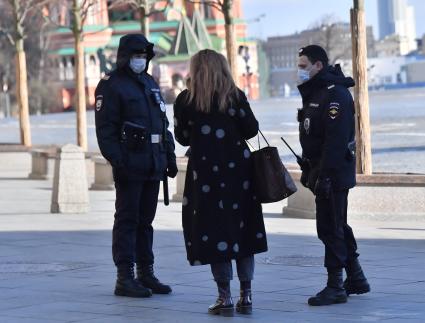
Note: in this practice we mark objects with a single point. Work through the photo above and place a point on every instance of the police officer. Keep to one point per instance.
(326, 125)
(130, 122)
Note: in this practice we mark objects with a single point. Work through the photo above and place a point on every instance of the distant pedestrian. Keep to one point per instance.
(222, 218)
(329, 168)
(131, 129)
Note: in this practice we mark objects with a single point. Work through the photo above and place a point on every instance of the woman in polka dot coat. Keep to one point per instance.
(222, 218)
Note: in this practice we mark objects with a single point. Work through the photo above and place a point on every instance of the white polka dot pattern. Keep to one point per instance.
(220, 133)
(205, 130)
(206, 188)
(222, 246)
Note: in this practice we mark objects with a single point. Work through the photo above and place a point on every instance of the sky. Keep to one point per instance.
(284, 17)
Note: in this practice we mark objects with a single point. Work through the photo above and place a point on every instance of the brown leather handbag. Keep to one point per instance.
(272, 181)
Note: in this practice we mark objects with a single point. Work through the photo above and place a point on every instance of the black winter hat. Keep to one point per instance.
(314, 53)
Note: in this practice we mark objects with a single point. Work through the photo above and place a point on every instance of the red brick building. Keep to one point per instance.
(178, 32)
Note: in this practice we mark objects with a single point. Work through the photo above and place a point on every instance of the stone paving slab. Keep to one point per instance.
(58, 268)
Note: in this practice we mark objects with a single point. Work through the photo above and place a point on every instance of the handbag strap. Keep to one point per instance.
(258, 138)
(263, 138)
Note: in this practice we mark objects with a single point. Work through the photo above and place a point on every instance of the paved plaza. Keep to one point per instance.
(58, 268)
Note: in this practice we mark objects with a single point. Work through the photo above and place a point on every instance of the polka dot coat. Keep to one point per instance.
(222, 218)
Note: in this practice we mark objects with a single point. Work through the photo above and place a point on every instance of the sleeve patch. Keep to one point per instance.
(99, 102)
(333, 112)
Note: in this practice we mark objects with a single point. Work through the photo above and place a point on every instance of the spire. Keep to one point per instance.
(185, 42)
(200, 30)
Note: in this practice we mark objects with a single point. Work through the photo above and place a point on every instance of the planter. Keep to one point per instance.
(378, 196)
(180, 179)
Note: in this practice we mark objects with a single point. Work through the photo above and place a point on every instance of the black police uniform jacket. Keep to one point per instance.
(327, 129)
(123, 96)
(222, 219)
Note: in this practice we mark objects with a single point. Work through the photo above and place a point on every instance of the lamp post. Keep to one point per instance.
(244, 52)
(6, 97)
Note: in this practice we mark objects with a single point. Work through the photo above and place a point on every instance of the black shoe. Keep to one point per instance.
(328, 296)
(244, 304)
(356, 286)
(223, 307)
(146, 277)
(126, 285)
(333, 293)
(356, 282)
(131, 288)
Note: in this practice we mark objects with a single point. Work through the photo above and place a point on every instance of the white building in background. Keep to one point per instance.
(397, 22)
(395, 71)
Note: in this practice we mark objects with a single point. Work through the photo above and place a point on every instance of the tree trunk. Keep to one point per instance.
(144, 22)
(230, 38)
(21, 77)
(361, 95)
(80, 87)
(22, 94)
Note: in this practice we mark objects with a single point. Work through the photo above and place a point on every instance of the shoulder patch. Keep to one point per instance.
(99, 102)
(333, 111)
(106, 77)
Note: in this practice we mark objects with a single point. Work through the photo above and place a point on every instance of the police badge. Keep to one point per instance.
(307, 125)
(99, 102)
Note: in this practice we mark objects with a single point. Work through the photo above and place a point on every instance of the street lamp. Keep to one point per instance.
(244, 52)
(5, 89)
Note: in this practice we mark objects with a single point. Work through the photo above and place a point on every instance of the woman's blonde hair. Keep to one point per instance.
(210, 78)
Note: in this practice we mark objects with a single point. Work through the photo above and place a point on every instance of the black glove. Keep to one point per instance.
(323, 188)
(172, 170)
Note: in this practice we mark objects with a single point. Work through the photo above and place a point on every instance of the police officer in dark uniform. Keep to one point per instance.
(130, 127)
(327, 129)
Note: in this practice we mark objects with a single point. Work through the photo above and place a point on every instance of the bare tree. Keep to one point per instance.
(79, 11)
(16, 33)
(145, 8)
(329, 33)
(226, 7)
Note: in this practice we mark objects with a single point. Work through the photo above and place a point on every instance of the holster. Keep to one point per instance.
(134, 136)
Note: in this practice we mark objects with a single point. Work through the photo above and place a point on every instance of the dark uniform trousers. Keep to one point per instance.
(135, 207)
(333, 230)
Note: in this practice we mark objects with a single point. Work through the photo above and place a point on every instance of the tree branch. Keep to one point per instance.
(161, 10)
(215, 4)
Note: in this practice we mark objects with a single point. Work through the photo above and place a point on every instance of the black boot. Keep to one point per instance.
(224, 304)
(244, 304)
(126, 285)
(333, 293)
(146, 277)
(356, 282)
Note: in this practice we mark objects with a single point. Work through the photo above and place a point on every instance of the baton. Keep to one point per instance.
(165, 188)
(299, 159)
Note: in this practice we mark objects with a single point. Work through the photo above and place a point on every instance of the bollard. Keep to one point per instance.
(181, 177)
(70, 191)
(103, 179)
(39, 160)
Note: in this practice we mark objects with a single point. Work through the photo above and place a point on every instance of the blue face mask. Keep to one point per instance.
(303, 76)
(137, 65)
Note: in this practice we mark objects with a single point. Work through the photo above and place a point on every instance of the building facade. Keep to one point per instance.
(282, 52)
(178, 32)
(397, 22)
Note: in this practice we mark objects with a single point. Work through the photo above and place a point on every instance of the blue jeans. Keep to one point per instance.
(223, 272)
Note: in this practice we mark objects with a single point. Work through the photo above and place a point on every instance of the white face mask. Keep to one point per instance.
(138, 65)
(303, 75)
